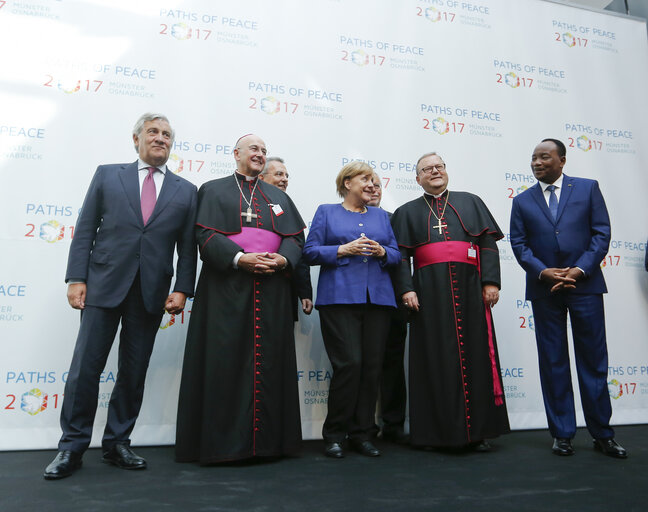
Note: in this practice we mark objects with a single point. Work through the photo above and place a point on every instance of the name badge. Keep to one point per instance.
(472, 253)
(277, 209)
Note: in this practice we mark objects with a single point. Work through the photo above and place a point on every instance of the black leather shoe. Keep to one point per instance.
(480, 446)
(365, 448)
(64, 464)
(395, 436)
(611, 448)
(562, 446)
(334, 450)
(122, 456)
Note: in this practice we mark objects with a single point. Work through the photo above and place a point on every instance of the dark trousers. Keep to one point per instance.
(587, 318)
(95, 338)
(393, 391)
(354, 337)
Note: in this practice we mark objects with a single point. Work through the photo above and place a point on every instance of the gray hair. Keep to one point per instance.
(149, 116)
(271, 159)
(431, 153)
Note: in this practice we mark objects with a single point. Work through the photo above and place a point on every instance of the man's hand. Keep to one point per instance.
(175, 303)
(76, 294)
(560, 278)
(307, 306)
(490, 294)
(410, 300)
(262, 262)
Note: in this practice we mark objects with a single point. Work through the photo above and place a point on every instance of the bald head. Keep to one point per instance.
(250, 155)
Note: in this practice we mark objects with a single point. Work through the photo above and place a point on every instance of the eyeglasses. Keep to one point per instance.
(430, 168)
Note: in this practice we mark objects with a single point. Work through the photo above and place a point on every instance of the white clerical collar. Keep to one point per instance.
(245, 177)
(437, 196)
(557, 183)
(141, 164)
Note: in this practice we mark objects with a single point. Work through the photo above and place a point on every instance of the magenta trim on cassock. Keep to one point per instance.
(256, 240)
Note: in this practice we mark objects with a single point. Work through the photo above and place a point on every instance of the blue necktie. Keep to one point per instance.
(553, 201)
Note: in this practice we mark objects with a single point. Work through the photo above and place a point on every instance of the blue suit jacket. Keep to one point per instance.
(579, 237)
(347, 280)
(111, 243)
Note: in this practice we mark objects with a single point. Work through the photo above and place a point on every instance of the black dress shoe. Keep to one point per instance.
(395, 436)
(365, 448)
(562, 446)
(334, 450)
(480, 446)
(122, 456)
(64, 464)
(611, 448)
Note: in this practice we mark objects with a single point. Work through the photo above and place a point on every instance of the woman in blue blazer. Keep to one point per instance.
(354, 244)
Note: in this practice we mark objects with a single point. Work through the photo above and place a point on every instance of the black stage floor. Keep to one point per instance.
(521, 474)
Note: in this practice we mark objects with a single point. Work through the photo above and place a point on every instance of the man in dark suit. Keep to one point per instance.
(119, 270)
(560, 233)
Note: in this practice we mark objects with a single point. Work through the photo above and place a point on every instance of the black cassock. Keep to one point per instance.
(238, 394)
(455, 387)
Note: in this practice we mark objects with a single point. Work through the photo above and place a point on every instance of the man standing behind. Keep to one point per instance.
(456, 395)
(393, 391)
(119, 270)
(560, 233)
(276, 174)
(238, 394)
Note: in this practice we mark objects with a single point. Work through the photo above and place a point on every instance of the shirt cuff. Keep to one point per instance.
(236, 259)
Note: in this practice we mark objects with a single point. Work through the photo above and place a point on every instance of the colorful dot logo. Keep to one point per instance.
(270, 105)
(51, 231)
(175, 163)
(615, 389)
(433, 14)
(359, 58)
(583, 143)
(71, 88)
(33, 402)
(512, 80)
(569, 39)
(441, 126)
(519, 191)
(167, 320)
(180, 31)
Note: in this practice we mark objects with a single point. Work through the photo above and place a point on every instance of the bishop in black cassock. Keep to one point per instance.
(238, 394)
(455, 391)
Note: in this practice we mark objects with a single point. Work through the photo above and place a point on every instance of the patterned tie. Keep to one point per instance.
(553, 201)
(148, 194)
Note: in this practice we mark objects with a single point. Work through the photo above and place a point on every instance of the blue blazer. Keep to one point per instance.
(347, 280)
(111, 243)
(579, 237)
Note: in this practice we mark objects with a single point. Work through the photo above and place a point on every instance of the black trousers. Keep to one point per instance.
(94, 341)
(393, 391)
(354, 337)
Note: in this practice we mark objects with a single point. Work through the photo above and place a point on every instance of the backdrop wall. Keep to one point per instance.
(323, 83)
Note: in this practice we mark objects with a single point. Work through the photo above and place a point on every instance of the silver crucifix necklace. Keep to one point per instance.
(248, 213)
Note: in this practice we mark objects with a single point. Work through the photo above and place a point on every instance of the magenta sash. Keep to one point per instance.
(444, 252)
(256, 240)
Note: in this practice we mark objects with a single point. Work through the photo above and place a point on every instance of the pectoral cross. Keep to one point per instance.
(249, 215)
(440, 226)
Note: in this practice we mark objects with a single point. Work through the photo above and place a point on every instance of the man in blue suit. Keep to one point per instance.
(560, 233)
(120, 268)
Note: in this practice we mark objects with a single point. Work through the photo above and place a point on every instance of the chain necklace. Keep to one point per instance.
(248, 213)
(439, 226)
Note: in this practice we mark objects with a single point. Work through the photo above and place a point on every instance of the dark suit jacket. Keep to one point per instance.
(579, 237)
(111, 243)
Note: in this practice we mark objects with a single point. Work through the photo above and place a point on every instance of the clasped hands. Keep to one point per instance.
(362, 246)
(262, 262)
(561, 278)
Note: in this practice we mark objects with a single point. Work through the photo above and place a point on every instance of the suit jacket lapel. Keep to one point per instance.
(538, 195)
(130, 182)
(169, 188)
(565, 193)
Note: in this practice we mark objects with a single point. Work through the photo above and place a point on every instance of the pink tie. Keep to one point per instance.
(148, 195)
